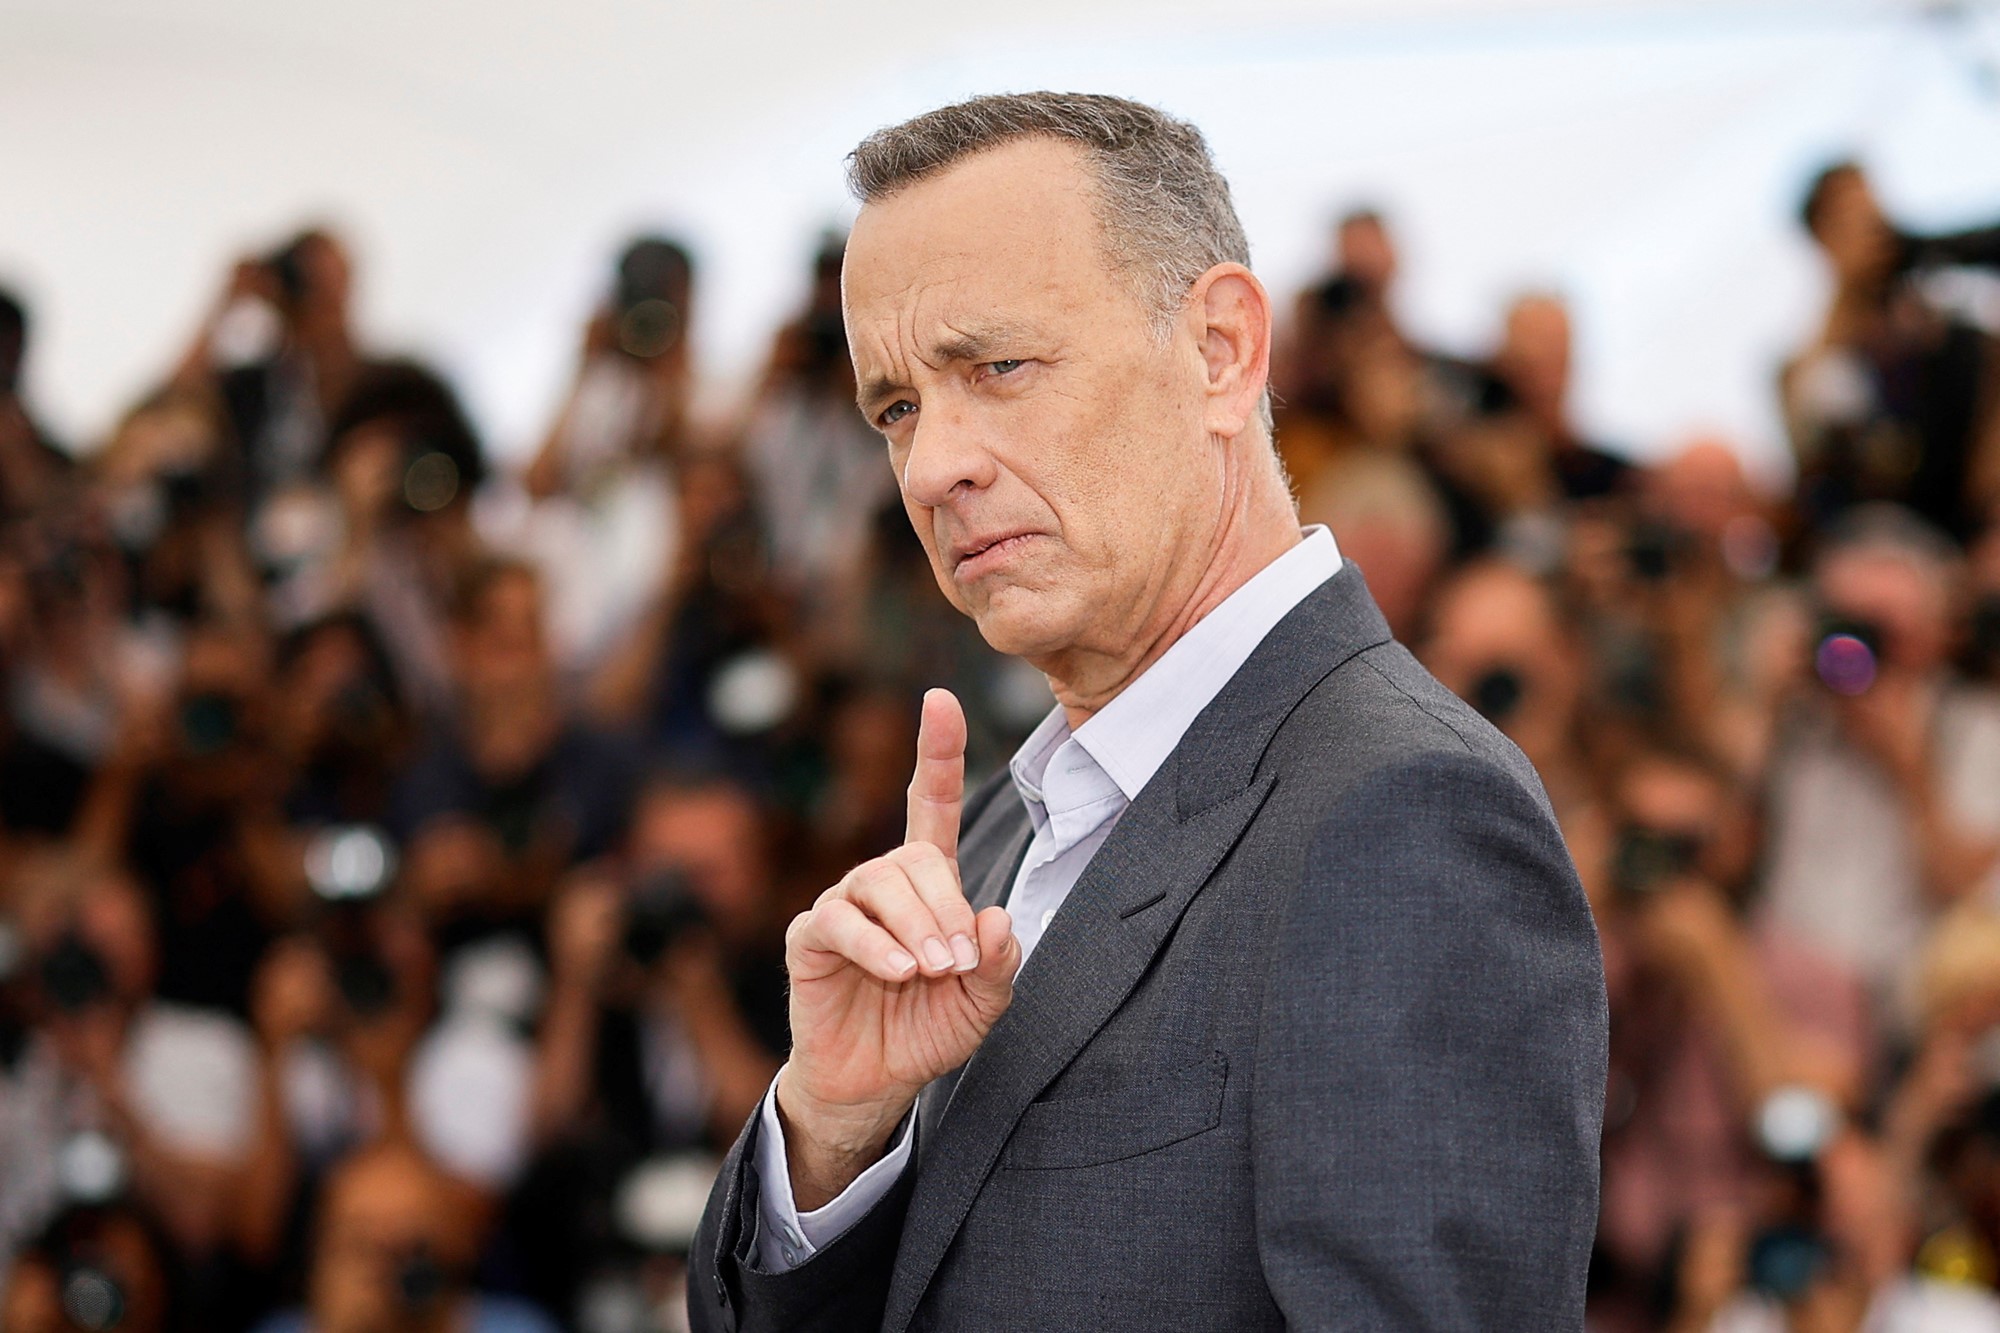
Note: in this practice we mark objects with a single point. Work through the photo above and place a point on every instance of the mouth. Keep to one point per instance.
(976, 557)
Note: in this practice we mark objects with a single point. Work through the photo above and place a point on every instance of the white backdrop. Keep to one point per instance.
(486, 159)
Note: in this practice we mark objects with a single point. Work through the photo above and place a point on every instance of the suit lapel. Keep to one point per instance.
(1116, 919)
(1100, 943)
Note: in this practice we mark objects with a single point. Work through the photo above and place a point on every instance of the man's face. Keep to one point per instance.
(1857, 238)
(1910, 606)
(1052, 452)
(713, 836)
(1534, 353)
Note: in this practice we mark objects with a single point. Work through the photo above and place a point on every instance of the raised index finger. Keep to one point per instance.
(937, 788)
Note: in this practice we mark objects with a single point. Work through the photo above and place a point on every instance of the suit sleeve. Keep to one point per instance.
(840, 1288)
(1430, 1075)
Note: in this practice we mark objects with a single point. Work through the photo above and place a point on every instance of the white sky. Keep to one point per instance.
(488, 158)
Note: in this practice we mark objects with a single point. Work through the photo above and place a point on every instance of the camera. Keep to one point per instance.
(1655, 550)
(1792, 1128)
(1497, 693)
(73, 975)
(287, 267)
(349, 866)
(209, 723)
(422, 1284)
(1648, 859)
(661, 908)
(1985, 631)
(649, 297)
(1847, 653)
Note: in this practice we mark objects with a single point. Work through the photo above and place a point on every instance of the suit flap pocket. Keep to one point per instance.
(1110, 1126)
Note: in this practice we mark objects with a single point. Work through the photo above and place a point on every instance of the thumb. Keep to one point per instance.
(991, 984)
(937, 787)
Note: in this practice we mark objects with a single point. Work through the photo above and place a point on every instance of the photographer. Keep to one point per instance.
(97, 1267)
(1500, 639)
(279, 347)
(629, 401)
(601, 517)
(673, 969)
(665, 1017)
(394, 1251)
(186, 797)
(165, 1088)
(32, 468)
(1885, 787)
(402, 462)
(512, 787)
(1895, 398)
(1713, 1015)
(816, 467)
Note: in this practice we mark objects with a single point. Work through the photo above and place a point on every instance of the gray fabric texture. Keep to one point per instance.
(1317, 1042)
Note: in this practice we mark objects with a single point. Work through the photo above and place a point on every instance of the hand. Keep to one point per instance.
(583, 930)
(894, 981)
(292, 994)
(1687, 927)
(1890, 721)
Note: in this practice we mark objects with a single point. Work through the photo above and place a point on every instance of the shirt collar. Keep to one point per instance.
(1130, 737)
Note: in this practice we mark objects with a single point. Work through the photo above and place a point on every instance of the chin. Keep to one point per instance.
(1023, 622)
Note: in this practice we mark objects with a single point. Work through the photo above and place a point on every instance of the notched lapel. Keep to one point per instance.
(1100, 943)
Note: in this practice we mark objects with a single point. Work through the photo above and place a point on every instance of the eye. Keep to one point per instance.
(896, 411)
(1003, 367)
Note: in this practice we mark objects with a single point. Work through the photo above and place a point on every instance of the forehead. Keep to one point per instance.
(1005, 232)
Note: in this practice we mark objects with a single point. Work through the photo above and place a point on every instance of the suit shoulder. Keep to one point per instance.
(1382, 717)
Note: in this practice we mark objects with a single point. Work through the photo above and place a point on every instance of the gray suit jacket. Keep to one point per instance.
(1316, 1042)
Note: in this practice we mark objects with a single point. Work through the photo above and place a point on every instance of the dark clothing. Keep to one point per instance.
(1317, 1041)
(575, 801)
(1586, 472)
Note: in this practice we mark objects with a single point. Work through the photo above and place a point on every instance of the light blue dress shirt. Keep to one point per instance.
(1075, 785)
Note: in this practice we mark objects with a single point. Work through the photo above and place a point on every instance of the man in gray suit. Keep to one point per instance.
(1310, 1031)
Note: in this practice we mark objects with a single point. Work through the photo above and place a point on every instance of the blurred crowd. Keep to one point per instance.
(396, 847)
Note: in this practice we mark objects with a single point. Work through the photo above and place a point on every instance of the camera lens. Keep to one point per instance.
(92, 1300)
(1795, 1124)
(349, 863)
(420, 1283)
(1845, 663)
(1497, 694)
(73, 976)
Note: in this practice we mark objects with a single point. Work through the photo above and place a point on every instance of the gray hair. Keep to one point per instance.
(1164, 209)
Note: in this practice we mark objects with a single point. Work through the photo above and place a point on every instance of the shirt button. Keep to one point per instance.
(791, 1255)
(1047, 917)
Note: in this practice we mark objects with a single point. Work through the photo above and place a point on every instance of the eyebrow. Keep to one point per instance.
(957, 349)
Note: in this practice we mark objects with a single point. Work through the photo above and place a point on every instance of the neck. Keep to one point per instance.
(1256, 524)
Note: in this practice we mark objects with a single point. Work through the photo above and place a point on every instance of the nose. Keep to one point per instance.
(946, 459)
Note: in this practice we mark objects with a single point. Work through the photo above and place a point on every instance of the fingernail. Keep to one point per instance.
(965, 952)
(900, 963)
(936, 954)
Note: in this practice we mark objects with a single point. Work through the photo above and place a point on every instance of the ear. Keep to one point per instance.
(1232, 316)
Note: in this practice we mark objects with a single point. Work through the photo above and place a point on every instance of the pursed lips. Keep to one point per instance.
(976, 550)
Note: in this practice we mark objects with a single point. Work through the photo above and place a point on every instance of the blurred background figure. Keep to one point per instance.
(401, 811)
(30, 463)
(393, 1253)
(1892, 399)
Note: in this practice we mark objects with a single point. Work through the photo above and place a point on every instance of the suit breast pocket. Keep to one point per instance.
(1125, 1122)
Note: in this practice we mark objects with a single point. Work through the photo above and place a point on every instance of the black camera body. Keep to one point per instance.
(1498, 692)
(73, 975)
(661, 908)
(1646, 860)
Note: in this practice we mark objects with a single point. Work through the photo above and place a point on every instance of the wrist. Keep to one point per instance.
(828, 1146)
